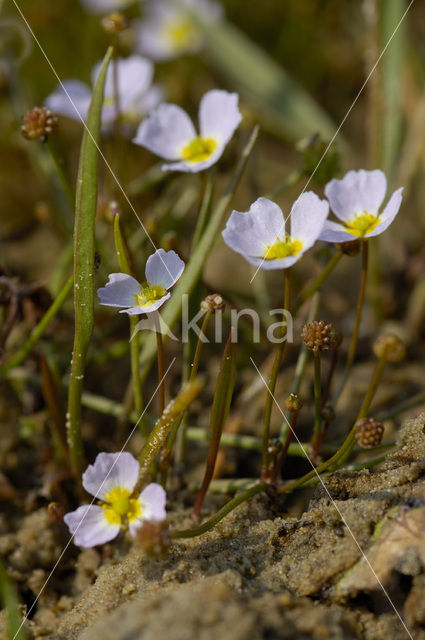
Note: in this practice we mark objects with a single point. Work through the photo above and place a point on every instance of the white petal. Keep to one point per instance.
(308, 215)
(111, 470)
(335, 232)
(281, 263)
(119, 291)
(388, 214)
(151, 99)
(164, 268)
(104, 6)
(358, 191)
(250, 233)
(152, 501)
(147, 308)
(89, 526)
(71, 100)
(219, 115)
(166, 131)
(150, 40)
(195, 167)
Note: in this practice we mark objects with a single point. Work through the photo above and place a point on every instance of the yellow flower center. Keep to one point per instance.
(362, 224)
(149, 294)
(119, 506)
(182, 34)
(199, 149)
(282, 249)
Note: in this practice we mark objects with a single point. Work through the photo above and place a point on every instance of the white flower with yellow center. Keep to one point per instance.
(169, 29)
(163, 269)
(137, 96)
(259, 234)
(169, 132)
(112, 480)
(356, 200)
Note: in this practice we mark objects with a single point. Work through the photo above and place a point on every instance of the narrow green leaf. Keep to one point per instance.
(283, 106)
(84, 254)
(10, 603)
(193, 270)
(220, 410)
(393, 63)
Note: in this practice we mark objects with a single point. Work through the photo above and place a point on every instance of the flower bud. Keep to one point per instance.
(328, 413)
(213, 303)
(368, 432)
(39, 122)
(317, 335)
(114, 23)
(55, 511)
(389, 347)
(293, 403)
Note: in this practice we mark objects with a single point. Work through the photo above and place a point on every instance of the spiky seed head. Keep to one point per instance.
(369, 432)
(293, 403)
(213, 303)
(390, 348)
(115, 22)
(317, 335)
(39, 123)
(351, 248)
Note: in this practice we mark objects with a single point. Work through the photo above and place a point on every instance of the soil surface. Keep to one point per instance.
(258, 575)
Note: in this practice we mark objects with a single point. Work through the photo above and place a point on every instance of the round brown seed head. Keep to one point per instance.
(317, 335)
(390, 348)
(38, 123)
(213, 303)
(293, 403)
(115, 23)
(369, 432)
(350, 248)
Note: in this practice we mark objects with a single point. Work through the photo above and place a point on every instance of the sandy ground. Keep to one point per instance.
(257, 575)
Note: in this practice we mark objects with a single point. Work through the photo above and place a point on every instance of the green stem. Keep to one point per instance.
(317, 429)
(380, 366)
(62, 177)
(273, 377)
(84, 254)
(359, 309)
(221, 513)
(161, 389)
(318, 282)
(124, 264)
(39, 330)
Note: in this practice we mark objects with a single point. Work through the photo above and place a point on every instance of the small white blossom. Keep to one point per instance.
(169, 132)
(356, 200)
(112, 479)
(163, 269)
(169, 29)
(105, 6)
(136, 94)
(259, 234)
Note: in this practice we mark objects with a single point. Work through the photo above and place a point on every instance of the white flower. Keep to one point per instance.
(169, 132)
(259, 234)
(112, 479)
(105, 6)
(356, 200)
(136, 94)
(163, 269)
(169, 29)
